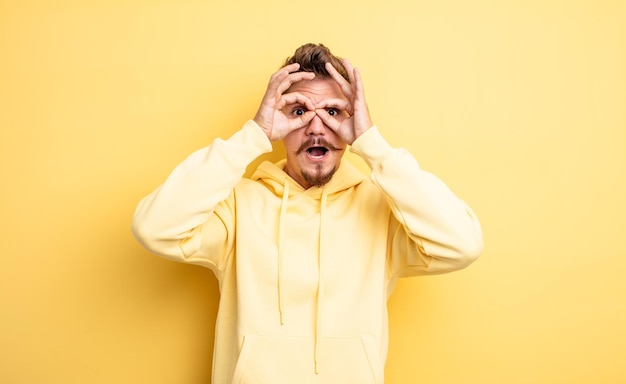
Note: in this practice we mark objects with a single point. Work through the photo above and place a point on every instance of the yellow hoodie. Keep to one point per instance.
(305, 275)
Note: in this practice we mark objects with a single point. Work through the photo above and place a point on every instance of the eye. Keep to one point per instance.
(299, 111)
(333, 112)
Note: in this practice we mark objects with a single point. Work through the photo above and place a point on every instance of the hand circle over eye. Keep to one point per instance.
(280, 113)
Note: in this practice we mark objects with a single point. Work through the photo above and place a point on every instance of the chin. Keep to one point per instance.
(320, 176)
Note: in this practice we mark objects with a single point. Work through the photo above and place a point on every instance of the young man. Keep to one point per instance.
(308, 250)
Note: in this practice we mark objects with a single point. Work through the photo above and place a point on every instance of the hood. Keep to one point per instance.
(283, 186)
(275, 178)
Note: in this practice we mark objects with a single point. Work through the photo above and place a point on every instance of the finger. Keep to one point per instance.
(358, 83)
(327, 119)
(340, 80)
(362, 117)
(285, 71)
(291, 67)
(332, 71)
(278, 76)
(349, 69)
(295, 98)
(292, 78)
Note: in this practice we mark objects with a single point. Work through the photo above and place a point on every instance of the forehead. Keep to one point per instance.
(318, 89)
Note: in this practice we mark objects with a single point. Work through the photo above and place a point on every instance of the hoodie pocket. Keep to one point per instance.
(278, 360)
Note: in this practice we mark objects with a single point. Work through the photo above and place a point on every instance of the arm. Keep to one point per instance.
(435, 231)
(190, 216)
(168, 220)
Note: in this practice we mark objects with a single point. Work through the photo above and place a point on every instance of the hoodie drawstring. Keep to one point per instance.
(320, 281)
(283, 210)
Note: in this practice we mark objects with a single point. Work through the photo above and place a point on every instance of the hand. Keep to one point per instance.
(270, 116)
(359, 119)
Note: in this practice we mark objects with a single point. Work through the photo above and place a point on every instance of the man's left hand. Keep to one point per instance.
(359, 121)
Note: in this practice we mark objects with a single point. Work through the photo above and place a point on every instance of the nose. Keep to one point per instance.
(316, 127)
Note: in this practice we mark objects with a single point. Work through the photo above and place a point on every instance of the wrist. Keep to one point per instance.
(371, 146)
(259, 122)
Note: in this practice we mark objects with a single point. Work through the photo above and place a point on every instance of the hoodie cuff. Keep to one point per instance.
(254, 137)
(372, 147)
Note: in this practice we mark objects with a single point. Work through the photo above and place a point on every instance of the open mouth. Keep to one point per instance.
(317, 152)
(316, 148)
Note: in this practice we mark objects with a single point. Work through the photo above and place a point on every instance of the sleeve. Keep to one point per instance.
(190, 218)
(432, 230)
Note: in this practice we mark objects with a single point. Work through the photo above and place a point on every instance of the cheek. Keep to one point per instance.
(291, 142)
(337, 140)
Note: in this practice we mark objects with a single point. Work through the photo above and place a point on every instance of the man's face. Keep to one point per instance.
(314, 151)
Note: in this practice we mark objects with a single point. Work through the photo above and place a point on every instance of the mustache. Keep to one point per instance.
(316, 141)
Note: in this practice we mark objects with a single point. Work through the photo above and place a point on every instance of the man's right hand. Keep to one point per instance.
(271, 117)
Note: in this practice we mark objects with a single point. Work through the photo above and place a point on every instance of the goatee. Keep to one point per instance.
(318, 178)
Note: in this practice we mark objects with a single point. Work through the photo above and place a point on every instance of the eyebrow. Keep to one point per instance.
(336, 103)
(296, 105)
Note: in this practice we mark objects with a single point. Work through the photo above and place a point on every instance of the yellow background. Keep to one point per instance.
(520, 106)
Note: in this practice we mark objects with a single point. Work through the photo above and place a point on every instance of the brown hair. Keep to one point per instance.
(313, 58)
